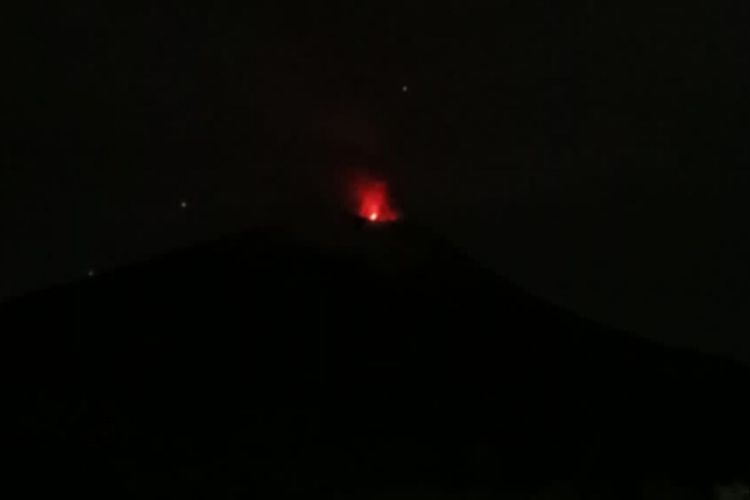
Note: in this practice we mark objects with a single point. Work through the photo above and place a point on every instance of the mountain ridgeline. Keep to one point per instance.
(375, 360)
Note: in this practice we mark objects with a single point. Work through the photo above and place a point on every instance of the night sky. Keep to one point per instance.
(595, 154)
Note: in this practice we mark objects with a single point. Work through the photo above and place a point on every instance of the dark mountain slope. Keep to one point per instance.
(374, 359)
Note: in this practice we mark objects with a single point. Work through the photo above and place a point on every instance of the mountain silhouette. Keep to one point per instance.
(370, 359)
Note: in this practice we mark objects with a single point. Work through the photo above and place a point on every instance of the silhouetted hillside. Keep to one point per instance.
(373, 361)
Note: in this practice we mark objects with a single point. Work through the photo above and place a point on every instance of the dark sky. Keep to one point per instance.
(596, 154)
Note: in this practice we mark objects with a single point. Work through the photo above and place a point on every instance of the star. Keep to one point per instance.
(183, 204)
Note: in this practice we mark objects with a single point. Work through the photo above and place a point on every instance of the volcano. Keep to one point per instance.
(379, 361)
(374, 202)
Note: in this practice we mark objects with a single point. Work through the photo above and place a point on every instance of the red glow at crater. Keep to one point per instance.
(374, 203)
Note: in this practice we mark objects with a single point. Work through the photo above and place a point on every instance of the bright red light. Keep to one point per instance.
(374, 204)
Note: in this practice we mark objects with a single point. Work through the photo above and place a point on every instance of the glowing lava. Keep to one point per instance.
(374, 203)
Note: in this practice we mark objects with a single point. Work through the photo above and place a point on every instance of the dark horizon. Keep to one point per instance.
(594, 154)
